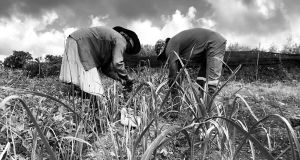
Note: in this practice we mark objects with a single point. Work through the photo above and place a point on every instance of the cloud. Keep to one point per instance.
(32, 34)
(41, 26)
(252, 23)
(172, 24)
(260, 23)
(147, 33)
(98, 21)
(259, 17)
(28, 34)
(76, 12)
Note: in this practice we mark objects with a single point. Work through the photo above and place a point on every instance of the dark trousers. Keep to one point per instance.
(209, 72)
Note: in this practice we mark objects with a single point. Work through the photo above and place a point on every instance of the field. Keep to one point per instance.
(249, 118)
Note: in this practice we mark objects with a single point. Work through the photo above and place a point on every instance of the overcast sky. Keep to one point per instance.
(41, 26)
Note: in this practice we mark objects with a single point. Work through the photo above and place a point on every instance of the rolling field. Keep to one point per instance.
(248, 119)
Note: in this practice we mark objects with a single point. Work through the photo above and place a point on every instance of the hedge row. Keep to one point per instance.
(41, 69)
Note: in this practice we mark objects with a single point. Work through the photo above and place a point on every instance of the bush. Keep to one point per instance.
(17, 60)
(33, 69)
(41, 69)
(52, 69)
(147, 50)
(53, 64)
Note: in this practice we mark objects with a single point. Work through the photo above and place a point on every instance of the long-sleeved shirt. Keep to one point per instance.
(103, 48)
(192, 42)
(192, 45)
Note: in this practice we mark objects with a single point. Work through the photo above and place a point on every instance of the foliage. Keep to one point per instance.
(53, 64)
(273, 49)
(33, 69)
(291, 47)
(236, 126)
(53, 59)
(147, 50)
(237, 47)
(51, 67)
(17, 60)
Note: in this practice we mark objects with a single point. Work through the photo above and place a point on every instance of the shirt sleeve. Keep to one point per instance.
(109, 71)
(118, 60)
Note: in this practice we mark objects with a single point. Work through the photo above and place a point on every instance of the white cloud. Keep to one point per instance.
(294, 24)
(2, 57)
(147, 33)
(254, 41)
(98, 21)
(231, 11)
(206, 23)
(33, 35)
(172, 24)
(266, 7)
(68, 31)
(178, 22)
(237, 19)
(30, 35)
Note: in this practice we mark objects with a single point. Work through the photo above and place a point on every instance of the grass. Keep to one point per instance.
(249, 120)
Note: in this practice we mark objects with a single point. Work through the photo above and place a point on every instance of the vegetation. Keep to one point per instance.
(291, 47)
(50, 67)
(247, 120)
(33, 68)
(17, 60)
(237, 47)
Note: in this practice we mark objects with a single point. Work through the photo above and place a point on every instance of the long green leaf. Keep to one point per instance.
(20, 91)
(48, 148)
(247, 105)
(4, 152)
(260, 147)
(135, 145)
(158, 140)
(291, 132)
(184, 66)
(243, 142)
(77, 139)
(223, 85)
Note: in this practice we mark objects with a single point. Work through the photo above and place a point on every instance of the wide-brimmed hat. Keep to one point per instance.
(136, 42)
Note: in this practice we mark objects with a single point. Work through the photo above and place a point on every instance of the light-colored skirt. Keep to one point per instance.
(72, 71)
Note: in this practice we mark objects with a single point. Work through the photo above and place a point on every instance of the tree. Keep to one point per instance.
(147, 50)
(237, 47)
(17, 60)
(291, 47)
(52, 64)
(52, 59)
(273, 48)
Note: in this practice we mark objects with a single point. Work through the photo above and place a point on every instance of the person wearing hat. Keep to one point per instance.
(198, 45)
(91, 50)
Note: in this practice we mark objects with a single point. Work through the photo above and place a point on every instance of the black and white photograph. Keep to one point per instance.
(149, 79)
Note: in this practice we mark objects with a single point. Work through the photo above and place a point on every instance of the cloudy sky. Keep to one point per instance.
(41, 26)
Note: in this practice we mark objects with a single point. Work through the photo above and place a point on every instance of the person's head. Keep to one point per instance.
(160, 49)
(133, 42)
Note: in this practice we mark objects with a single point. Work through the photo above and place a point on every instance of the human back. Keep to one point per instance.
(96, 45)
(192, 41)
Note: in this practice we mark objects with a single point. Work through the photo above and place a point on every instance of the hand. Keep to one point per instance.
(128, 85)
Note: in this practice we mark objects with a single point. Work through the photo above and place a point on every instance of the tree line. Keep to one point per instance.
(50, 65)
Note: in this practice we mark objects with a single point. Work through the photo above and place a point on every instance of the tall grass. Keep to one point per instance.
(206, 127)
